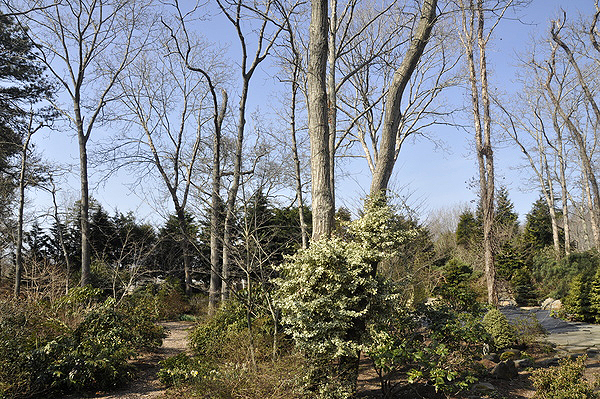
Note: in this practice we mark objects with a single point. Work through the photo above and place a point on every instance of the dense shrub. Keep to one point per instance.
(165, 301)
(496, 324)
(75, 344)
(434, 345)
(564, 381)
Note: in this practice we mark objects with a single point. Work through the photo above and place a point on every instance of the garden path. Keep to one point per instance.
(571, 337)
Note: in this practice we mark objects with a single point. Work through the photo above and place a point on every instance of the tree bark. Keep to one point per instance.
(386, 156)
(318, 125)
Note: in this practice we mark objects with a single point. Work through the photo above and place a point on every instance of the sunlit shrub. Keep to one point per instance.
(565, 381)
(497, 325)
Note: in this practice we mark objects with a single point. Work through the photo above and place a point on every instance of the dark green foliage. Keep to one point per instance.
(168, 255)
(468, 231)
(553, 277)
(432, 345)
(565, 381)
(577, 302)
(506, 219)
(523, 288)
(595, 297)
(455, 289)
(74, 344)
(496, 324)
(538, 227)
(23, 84)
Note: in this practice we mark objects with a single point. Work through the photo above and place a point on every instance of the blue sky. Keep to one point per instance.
(433, 178)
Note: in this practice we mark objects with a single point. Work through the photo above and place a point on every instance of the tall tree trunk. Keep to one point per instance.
(84, 212)
(19, 246)
(332, 95)
(563, 182)
(318, 124)
(386, 156)
(482, 124)
(215, 209)
(297, 166)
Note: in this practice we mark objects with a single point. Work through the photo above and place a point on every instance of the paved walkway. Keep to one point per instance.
(567, 336)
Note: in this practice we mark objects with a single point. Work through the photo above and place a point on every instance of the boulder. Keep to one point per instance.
(546, 303)
(505, 370)
(523, 363)
(551, 304)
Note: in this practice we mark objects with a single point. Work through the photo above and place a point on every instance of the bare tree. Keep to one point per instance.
(85, 45)
(165, 102)
(475, 40)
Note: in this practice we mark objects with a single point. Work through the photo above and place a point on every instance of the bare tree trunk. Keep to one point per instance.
(84, 210)
(215, 214)
(332, 95)
(297, 166)
(563, 182)
(318, 124)
(485, 155)
(386, 156)
(22, 184)
(579, 139)
(61, 239)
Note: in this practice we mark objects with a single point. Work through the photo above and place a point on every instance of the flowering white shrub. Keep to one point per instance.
(329, 292)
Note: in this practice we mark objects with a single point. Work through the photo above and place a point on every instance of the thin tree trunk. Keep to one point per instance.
(19, 248)
(318, 124)
(215, 211)
(297, 166)
(332, 95)
(482, 123)
(84, 213)
(563, 183)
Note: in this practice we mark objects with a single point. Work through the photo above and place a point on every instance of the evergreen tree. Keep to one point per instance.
(23, 84)
(538, 227)
(468, 230)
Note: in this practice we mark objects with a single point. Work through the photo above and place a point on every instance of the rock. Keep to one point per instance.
(523, 363)
(553, 361)
(546, 303)
(556, 305)
(484, 387)
(492, 357)
(507, 302)
(505, 370)
(510, 354)
(551, 304)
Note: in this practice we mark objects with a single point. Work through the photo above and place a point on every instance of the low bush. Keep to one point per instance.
(183, 369)
(564, 381)
(496, 324)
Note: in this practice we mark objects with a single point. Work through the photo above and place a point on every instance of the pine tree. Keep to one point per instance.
(23, 84)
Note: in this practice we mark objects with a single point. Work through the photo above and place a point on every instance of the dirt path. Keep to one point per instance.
(146, 384)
